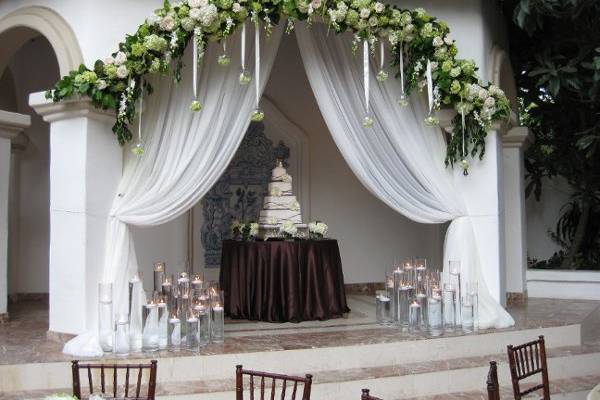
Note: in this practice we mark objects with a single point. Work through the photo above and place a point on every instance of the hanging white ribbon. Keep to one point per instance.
(257, 62)
(243, 55)
(366, 73)
(382, 55)
(462, 117)
(140, 113)
(402, 66)
(429, 86)
(195, 66)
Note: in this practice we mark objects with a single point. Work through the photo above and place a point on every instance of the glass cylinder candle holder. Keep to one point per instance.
(405, 294)
(383, 307)
(472, 289)
(122, 336)
(192, 339)
(422, 299)
(455, 279)
(197, 283)
(160, 270)
(183, 284)
(414, 315)
(136, 295)
(174, 333)
(167, 292)
(397, 276)
(467, 313)
(420, 273)
(435, 322)
(105, 316)
(449, 307)
(150, 330)
(409, 270)
(163, 324)
(217, 316)
(201, 311)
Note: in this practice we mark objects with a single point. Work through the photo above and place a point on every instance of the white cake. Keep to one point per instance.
(280, 205)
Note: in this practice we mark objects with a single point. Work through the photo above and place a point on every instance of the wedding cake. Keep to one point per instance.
(280, 206)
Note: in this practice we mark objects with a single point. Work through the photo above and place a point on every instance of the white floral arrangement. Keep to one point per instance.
(288, 230)
(317, 229)
(275, 191)
(244, 231)
(295, 206)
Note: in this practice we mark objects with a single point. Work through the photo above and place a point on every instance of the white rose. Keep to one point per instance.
(236, 7)
(195, 13)
(153, 20)
(489, 102)
(167, 23)
(194, 3)
(122, 72)
(438, 41)
(482, 94)
(120, 58)
(379, 7)
(448, 40)
(109, 60)
(364, 13)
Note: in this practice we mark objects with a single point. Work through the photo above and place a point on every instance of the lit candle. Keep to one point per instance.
(217, 323)
(174, 332)
(159, 275)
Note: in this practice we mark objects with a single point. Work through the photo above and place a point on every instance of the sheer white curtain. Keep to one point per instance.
(399, 159)
(185, 153)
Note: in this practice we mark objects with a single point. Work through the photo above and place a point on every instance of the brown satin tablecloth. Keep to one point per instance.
(283, 281)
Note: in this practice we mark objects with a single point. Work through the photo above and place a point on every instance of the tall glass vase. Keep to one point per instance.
(217, 316)
(174, 333)
(105, 316)
(398, 279)
(383, 307)
(435, 318)
(472, 290)
(160, 270)
(136, 295)
(455, 279)
(163, 325)
(150, 331)
(122, 336)
(449, 307)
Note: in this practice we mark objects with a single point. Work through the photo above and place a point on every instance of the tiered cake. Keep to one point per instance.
(279, 205)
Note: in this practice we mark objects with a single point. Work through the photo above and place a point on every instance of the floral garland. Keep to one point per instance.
(421, 51)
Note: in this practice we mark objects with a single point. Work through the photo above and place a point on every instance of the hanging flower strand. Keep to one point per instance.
(464, 164)
(257, 115)
(381, 75)
(138, 150)
(195, 106)
(224, 59)
(431, 119)
(244, 75)
(402, 99)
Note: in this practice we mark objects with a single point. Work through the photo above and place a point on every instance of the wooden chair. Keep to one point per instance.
(239, 384)
(104, 371)
(367, 396)
(527, 360)
(493, 387)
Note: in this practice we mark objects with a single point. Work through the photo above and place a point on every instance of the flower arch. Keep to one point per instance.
(421, 51)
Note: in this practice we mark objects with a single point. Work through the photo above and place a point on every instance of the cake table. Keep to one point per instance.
(283, 281)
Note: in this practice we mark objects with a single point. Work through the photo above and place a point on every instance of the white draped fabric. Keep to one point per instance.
(398, 159)
(185, 153)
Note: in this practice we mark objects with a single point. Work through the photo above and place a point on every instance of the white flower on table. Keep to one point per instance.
(253, 229)
(318, 228)
(288, 228)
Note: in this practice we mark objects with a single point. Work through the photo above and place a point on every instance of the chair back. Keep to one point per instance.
(131, 388)
(525, 361)
(493, 387)
(366, 396)
(272, 384)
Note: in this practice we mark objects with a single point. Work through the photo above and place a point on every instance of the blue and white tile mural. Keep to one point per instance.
(238, 195)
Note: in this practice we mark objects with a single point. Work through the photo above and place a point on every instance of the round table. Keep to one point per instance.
(283, 281)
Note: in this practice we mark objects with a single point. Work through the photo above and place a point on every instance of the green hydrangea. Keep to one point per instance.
(138, 49)
(447, 66)
(86, 77)
(155, 42)
(455, 87)
(110, 70)
(352, 17)
(224, 4)
(183, 11)
(468, 67)
(427, 30)
(455, 72)
(154, 66)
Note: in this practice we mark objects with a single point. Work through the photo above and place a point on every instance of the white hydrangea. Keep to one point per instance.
(496, 91)
(122, 72)
(438, 41)
(454, 72)
(320, 228)
(448, 40)
(101, 84)
(153, 20)
(364, 13)
(197, 3)
(288, 227)
(379, 7)
(195, 13)
(482, 94)
(373, 21)
(236, 8)
(188, 24)
(208, 14)
(253, 229)
(167, 23)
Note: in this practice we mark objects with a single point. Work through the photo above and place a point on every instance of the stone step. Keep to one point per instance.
(569, 367)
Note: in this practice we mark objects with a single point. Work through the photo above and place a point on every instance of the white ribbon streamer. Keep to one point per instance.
(257, 61)
(195, 66)
(366, 72)
(462, 117)
(243, 55)
(402, 66)
(382, 53)
(140, 113)
(429, 86)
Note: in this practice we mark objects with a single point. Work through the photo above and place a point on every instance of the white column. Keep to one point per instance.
(85, 168)
(482, 192)
(514, 143)
(11, 125)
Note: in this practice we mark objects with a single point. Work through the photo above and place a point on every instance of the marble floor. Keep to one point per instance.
(24, 339)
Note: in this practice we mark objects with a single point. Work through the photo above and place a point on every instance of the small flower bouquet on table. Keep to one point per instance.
(288, 230)
(317, 229)
(244, 231)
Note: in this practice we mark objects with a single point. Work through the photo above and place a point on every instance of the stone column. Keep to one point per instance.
(85, 168)
(482, 194)
(11, 125)
(514, 143)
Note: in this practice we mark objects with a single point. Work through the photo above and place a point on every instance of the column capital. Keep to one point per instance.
(78, 106)
(13, 124)
(517, 137)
